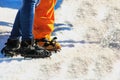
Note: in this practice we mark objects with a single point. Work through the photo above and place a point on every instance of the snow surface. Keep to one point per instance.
(89, 33)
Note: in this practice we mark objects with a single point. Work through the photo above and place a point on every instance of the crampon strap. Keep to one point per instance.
(48, 42)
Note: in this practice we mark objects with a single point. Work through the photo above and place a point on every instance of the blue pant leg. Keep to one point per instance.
(26, 18)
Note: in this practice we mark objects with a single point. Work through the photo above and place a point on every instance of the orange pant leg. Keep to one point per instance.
(44, 19)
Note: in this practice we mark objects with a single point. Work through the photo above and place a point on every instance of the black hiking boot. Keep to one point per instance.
(30, 50)
(10, 50)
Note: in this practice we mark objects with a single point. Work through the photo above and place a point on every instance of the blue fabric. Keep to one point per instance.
(24, 21)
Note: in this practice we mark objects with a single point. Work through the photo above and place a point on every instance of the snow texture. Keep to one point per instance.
(89, 33)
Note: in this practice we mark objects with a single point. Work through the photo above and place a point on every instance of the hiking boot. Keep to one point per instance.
(50, 45)
(12, 45)
(30, 50)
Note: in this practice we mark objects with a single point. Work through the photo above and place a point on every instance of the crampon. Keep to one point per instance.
(50, 45)
(39, 53)
(9, 53)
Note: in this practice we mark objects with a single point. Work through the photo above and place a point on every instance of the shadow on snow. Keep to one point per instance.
(2, 23)
(16, 4)
(72, 43)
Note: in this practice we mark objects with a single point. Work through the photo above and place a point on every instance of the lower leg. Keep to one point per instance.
(27, 18)
(16, 33)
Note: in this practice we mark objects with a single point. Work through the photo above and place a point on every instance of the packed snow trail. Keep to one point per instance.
(85, 29)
